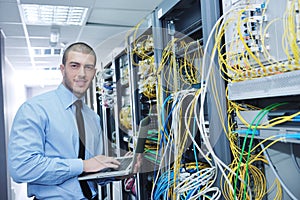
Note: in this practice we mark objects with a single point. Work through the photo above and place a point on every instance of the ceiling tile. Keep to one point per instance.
(55, 59)
(36, 30)
(36, 42)
(116, 17)
(100, 33)
(13, 14)
(69, 34)
(7, 1)
(12, 29)
(16, 52)
(145, 5)
(15, 42)
(20, 59)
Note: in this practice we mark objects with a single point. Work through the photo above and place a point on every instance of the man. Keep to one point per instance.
(44, 142)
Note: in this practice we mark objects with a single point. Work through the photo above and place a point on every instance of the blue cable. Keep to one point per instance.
(161, 131)
(162, 187)
(163, 106)
(290, 136)
(192, 192)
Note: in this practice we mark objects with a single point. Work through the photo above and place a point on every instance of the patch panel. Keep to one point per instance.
(248, 123)
(259, 35)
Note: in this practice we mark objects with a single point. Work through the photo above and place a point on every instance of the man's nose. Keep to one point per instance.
(81, 71)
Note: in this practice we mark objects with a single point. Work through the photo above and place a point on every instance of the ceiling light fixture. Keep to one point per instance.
(54, 36)
(48, 14)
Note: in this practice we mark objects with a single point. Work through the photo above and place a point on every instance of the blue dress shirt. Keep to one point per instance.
(44, 144)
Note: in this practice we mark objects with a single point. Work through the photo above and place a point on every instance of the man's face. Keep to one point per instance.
(78, 72)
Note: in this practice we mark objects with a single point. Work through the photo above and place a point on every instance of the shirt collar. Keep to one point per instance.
(66, 96)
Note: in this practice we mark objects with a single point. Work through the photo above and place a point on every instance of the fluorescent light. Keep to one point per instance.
(48, 14)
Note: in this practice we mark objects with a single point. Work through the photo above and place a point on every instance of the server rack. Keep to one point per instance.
(140, 47)
(261, 66)
(104, 110)
(185, 28)
(243, 71)
(179, 21)
(113, 93)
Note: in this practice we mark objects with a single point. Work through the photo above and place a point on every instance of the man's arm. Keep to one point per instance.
(26, 155)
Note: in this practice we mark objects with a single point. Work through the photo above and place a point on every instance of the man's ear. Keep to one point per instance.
(62, 68)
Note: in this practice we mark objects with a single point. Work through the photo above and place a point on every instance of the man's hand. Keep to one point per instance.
(100, 162)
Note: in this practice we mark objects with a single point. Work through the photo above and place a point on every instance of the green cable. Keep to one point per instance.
(152, 138)
(265, 110)
(152, 159)
(150, 151)
(251, 141)
(241, 155)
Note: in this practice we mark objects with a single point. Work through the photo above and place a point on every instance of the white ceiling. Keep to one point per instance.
(104, 29)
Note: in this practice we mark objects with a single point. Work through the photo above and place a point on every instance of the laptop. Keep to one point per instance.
(127, 162)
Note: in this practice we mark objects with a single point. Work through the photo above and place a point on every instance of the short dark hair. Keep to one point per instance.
(78, 47)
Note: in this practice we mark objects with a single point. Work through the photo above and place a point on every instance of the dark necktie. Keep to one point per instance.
(80, 125)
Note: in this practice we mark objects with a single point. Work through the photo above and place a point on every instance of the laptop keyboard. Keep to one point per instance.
(124, 163)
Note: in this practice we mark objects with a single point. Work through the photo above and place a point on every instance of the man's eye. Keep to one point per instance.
(75, 66)
(89, 68)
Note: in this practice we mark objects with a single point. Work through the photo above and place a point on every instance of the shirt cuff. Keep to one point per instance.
(76, 166)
